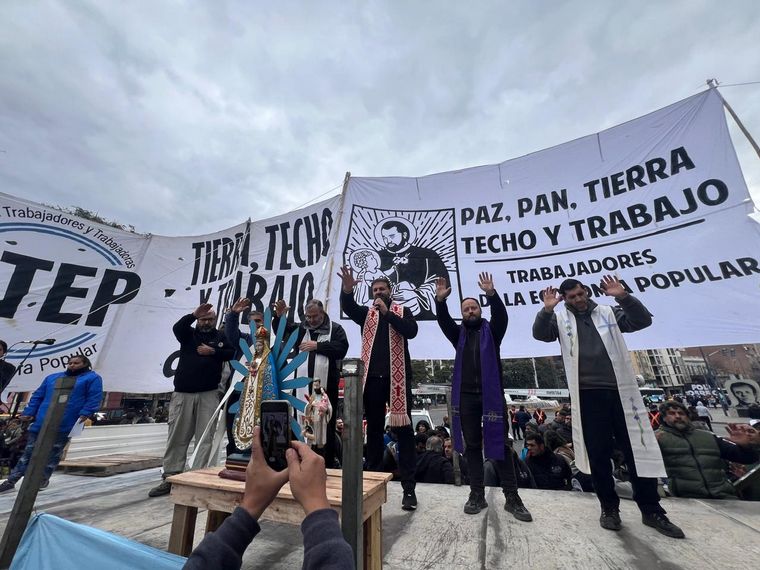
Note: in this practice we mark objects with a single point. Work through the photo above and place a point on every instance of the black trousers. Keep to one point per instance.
(604, 429)
(471, 416)
(376, 393)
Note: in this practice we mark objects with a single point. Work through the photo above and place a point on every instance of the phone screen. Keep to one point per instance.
(275, 432)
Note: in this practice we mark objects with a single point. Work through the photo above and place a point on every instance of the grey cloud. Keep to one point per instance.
(187, 117)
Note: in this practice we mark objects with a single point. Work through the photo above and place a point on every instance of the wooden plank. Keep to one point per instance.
(104, 467)
(210, 499)
(183, 528)
(214, 520)
(373, 541)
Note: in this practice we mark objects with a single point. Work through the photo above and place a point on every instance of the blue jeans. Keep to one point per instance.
(53, 459)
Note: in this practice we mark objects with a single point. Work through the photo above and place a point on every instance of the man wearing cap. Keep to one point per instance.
(605, 399)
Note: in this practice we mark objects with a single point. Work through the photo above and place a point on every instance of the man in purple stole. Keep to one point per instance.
(477, 395)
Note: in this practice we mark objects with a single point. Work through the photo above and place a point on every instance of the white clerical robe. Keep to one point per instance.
(646, 450)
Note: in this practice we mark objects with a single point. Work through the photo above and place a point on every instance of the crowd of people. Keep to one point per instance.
(587, 445)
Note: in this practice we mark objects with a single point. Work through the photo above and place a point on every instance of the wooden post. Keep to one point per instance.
(353, 443)
(27, 495)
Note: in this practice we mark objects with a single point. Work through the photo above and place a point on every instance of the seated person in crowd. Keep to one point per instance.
(695, 460)
(432, 466)
(323, 543)
(548, 469)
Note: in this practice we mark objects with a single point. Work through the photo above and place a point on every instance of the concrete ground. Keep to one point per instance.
(565, 532)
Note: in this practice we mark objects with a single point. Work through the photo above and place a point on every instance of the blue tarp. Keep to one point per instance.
(58, 544)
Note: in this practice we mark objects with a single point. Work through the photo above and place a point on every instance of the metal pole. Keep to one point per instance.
(351, 518)
(22, 508)
(454, 454)
(710, 374)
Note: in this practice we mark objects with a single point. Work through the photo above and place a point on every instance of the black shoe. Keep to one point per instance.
(44, 484)
(163, 489)
(475, 503)
(7, 486)
(661, 524)
(409, 502)
(610, 519)
(515, 506)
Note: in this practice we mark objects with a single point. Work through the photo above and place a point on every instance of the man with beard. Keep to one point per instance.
(327, 344)
(202, 352)
(695, 459)
(412, 270)
(386, 328)
(605, 399)
(477, 395)
(83, 401)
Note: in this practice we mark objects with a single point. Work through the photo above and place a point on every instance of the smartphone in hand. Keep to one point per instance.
(275, 432)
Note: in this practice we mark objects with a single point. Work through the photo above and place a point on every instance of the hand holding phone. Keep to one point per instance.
(261, 482)
(275, 432)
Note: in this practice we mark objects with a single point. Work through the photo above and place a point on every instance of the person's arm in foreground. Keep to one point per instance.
(224, 548)
(323, 542)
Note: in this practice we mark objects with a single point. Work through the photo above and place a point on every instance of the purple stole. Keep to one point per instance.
(493, 398)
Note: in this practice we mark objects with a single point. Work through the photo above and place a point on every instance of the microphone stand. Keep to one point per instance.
(17, 400)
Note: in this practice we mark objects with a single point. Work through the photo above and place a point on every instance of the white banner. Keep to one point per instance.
(659, 201)
(62, 278)
(114, 296)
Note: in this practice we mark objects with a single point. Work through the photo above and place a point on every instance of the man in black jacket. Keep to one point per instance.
(386, 329)
(326, 343)
(203, 350)
(548, 469)
(432, 466)
(477, 395)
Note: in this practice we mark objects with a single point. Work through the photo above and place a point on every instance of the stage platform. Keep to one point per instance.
(565, 532)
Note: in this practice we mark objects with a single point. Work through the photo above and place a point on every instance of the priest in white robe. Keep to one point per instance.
(607, 407)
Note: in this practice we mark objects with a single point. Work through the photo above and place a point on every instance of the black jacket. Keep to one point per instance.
(334, 349)
(380, 359)
(432, 467)
(471, 380)
(549, 471)
(196, 373)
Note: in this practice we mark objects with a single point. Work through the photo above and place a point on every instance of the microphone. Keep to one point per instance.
(47, 341)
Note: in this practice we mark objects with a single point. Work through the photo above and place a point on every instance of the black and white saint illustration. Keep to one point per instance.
(411, 248)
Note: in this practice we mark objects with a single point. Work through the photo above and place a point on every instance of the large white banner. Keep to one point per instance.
(114, 296)
(659, 201)
(62, 278)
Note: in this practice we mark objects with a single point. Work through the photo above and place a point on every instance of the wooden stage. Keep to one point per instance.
(565, 532)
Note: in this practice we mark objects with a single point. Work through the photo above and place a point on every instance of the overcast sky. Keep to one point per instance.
(187, 117)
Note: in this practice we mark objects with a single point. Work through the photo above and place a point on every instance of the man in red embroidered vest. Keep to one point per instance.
(386, 328)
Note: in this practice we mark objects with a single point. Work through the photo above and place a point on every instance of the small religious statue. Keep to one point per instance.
(259, 385)
(318, 413)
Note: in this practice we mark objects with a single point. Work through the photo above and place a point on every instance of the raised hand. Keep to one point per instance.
(442, 289)
(551, 299)
(241, 305)
(280, 307)
(203, 309)
(346, 275)
(485, 282)
(743, 434)
(612, 286)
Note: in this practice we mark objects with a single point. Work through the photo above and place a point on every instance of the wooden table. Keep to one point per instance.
(206, 490)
